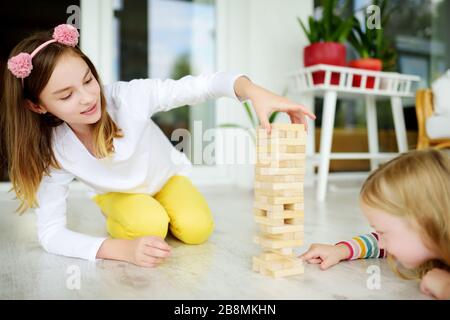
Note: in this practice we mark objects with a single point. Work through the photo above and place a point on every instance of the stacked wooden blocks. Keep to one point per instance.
(278, 206)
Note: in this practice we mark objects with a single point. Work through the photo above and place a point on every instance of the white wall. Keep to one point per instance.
(261, 38)
(97, 36)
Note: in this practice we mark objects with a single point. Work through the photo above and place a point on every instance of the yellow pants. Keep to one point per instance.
(178, 206)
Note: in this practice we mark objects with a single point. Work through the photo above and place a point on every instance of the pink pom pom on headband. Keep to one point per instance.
(21, 65)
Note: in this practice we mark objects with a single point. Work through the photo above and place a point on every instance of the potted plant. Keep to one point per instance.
(326, 36)
(374, 50)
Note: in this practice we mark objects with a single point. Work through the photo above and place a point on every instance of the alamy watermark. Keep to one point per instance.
(373, 17)
(73, 281)
(373, 282)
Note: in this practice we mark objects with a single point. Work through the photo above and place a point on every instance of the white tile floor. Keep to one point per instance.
(219, 269)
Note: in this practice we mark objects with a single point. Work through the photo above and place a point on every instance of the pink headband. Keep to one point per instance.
(21, 66)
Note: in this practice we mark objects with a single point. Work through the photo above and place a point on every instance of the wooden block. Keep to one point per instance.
(271, 243)
(284, 251)
(260, 213)
(288, 126)
(268, 222)
(295, 221)
(273, 254)
(277, 148)
(265, 157)
(275, 218)
(279, 193)
(279, 185)
(268, 207)
(291, 134)
(275, 179)
(285, 214)
(281, 229)
(287, 236)
(278, 213)
(277, 265)
(294, 206)
(279, 171)
(273, 142)
(278, 200)
(273, 261)
(298, 235)
(281, 164)
(262, 134)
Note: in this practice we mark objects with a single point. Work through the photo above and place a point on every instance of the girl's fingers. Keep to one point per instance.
(314, 261)
(148, 262)
(151, 259)
(310, 254)
(299, 119)
(158, 243)
(327, 263)
(296, 108)
(156, 252)
(264, 122)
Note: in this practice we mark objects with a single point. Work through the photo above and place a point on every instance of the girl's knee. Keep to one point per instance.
(193, 230)
(144, 216)
(153, 224)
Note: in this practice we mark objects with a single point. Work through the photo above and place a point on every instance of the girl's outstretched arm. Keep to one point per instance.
(361, 247)
(144, 97)
(266, 102)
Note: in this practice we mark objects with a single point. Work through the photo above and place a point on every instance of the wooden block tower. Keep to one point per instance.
(278, 205)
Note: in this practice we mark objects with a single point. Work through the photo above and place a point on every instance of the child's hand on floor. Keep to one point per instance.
(148, 251)
(326, 255)
(436, 283)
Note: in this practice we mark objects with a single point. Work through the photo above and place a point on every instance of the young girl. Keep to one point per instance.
(60, 123)
(407, 202)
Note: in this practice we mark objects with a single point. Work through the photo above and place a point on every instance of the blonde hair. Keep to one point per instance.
(27, 136)
(416, 186)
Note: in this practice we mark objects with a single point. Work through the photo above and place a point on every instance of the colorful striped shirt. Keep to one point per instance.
(364, 247)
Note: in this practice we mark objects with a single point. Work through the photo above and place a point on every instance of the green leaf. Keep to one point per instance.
(308, 34)
(342, 33)
(249, 112)
(273, 116)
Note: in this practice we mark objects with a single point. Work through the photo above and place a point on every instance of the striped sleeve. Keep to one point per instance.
(364, 247)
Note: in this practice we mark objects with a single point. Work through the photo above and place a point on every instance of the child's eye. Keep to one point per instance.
(66, 97)
(89, 80)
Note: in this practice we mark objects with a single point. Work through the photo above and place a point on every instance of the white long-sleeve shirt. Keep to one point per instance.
(143, 161)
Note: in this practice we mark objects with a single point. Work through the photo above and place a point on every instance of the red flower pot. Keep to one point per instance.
(331, 53)
(367, 64)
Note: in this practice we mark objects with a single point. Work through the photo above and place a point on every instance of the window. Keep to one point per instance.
(168, 39)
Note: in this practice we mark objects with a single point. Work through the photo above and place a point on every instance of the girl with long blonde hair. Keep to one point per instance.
(407, 202)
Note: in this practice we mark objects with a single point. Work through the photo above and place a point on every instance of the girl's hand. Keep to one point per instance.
(266, 102)
(326, 255)
(436, 283)
(147, 251)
